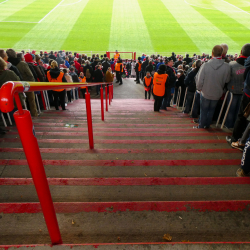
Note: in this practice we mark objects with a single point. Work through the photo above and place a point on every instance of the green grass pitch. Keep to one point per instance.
(143, 26)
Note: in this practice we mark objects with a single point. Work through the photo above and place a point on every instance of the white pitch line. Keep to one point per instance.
(16, 22)
(236, 7)
(71, 3)
(4, 1)
(50, 11)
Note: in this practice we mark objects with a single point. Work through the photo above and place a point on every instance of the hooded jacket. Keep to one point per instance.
(212, 78)
(236, 83)
(247, 77)
(190, 80)
(54, 73)
(23, 68)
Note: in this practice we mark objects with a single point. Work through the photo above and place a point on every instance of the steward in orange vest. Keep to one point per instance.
(55, 75)
(119, 70)
(160, 82)
(82, 78)
(138, 70)
(148, 81)
(116, 55)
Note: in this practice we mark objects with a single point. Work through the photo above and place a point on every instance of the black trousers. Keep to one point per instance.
(137, 76)
(241, 122)
(158, 102)
(61, 96)
(147, 93)
(69, 95)
(119, 76)
(83, 92)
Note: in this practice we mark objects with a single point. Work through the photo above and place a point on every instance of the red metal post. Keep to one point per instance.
(112, 88)
(102, 105)
(89, 119)
(110, 94)
(28, 138)
(106, 94)
(44, 104)
(134, 55)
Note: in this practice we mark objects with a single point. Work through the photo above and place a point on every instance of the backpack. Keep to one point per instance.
(88, 75)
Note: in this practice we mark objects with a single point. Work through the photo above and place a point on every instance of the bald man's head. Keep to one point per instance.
(217, 51)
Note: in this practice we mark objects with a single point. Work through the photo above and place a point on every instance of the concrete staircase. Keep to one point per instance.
(150, 174)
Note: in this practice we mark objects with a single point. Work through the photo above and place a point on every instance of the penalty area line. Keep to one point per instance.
(51, 11)
(71, 3)
(4, 1)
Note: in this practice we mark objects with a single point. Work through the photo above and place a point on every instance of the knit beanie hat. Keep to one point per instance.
(28, 58)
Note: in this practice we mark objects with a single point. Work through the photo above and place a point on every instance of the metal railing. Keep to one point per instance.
(222, 108)
(27, 134)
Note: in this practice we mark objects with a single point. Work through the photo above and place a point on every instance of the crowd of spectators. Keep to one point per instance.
(202, 79)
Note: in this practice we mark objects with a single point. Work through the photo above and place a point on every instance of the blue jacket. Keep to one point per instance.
(158, 65)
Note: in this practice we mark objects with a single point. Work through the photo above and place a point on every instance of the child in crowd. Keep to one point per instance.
(148, 81)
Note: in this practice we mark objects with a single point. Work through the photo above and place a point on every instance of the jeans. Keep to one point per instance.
(166, 99)
(83, 92)
(245, 161)
(241, 122)
(233, 110)
(69, 96)
(196, 108)
(206, 112)
(76, 93)
(189, 102)
(98, 89)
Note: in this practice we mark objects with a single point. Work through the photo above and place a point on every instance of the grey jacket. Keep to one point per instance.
(236, 83)
(212, 77)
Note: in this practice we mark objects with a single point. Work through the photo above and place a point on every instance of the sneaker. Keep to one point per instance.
(195, 127)
(240, 173)
(196, 121)
(229, 139)
(66, 104)
(238, 145)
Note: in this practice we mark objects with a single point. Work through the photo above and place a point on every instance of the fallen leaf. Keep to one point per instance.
(145, 174)
(180, 217)
(40, 230)
(185, 241)
(73, 222)
(118, 238)
(167, 237)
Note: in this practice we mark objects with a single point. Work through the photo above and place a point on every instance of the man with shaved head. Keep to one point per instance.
(211, 80)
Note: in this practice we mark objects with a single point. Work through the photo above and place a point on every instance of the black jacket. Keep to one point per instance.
(144, 65)
(105, 66)
(74, 76)
(16, 71)
(98, 75)
(171, 76)
(54, 73)
(190, 81)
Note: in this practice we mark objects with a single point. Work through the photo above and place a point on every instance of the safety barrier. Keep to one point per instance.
(228, 107)
(184, 101)
(193, 103)
(178, 97)
(27, 134)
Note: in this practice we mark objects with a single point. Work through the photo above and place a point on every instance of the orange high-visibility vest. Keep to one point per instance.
(82, 80)
(159, 84)
(118, 67)
(147, 82)
(139, 66)
(116, 56)
(58, 79)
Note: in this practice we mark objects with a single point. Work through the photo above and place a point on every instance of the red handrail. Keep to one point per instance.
(8, 92)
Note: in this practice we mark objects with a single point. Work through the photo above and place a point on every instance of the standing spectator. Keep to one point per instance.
(241, 121)
(211, 80)
(191, 85)
(88, 71)
(160, 83)
(119, 70)
(150, 67)
(143, 68)
(187, 59)
(75, 79)
(236, 85)
(82, 79)
(26, 75)
(68, 79)
(173, 57)
(98, 75)
(109, 75)
(138, 70)
(105, 65)
(55, 75)
(224, 53)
